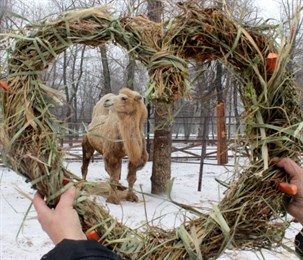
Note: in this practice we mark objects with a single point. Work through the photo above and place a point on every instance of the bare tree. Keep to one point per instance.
(3, 10)
(161, 170)
(290, 11)
(132, 9)
(130, 72)
(73, 71)
(106, 72)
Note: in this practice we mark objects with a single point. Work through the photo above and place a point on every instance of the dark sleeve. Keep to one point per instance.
(299, 244)
(80, 249)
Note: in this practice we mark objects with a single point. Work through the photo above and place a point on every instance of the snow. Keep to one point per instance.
(24, 239)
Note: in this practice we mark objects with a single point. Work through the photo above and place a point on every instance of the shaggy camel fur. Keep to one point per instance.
(116, 135)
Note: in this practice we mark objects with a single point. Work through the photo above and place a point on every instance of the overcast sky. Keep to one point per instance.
(269, 8)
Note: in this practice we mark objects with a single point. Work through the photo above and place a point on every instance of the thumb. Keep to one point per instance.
(292, 168)
(40, 204)
(67, 198)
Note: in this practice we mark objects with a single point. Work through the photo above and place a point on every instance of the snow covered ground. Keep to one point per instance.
(24, 239)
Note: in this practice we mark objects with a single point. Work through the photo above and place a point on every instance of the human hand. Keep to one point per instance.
(295, 206)
(63, 221)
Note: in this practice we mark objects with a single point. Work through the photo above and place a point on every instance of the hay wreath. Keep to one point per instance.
(249, 216)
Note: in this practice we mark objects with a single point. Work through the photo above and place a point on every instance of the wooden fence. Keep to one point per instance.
(182, 149)
(186, 140)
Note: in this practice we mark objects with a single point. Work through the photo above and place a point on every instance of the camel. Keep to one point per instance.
(117, 134)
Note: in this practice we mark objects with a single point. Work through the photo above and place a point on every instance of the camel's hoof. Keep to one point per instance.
(132, 197)
(113, 200)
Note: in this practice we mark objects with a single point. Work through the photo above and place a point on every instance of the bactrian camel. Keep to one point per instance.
(115, 133)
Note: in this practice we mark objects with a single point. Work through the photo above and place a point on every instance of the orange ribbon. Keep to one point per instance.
(4, 85)
(271, 62)
(93, 235)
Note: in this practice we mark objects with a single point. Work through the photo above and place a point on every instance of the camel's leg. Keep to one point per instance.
(144, 157)
(113, 167)
(87, 153)
(131, 178)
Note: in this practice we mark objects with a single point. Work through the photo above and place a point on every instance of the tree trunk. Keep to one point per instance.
(161, 169)
(162, 137)
(106, 73)
(218, 83)
(130, 76)
(68, 114)
(76, 80)
(3, 10)
(155, 10)
(235, 105)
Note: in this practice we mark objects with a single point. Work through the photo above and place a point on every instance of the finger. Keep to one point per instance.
(67, 198)
(40, 204)
(292, 168)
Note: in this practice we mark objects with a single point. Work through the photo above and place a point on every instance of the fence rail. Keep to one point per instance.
(186, 138)
(182, 149)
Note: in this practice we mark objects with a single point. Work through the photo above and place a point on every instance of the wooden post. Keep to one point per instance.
(221, 135)
(203, 150)
(202, 158)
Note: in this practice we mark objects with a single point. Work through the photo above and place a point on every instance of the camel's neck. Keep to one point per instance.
(129, 127)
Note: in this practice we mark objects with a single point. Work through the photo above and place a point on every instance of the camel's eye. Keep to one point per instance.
(124, 98)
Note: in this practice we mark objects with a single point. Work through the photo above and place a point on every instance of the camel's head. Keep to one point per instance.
(107, 100)
(103, 105)
(128, 101)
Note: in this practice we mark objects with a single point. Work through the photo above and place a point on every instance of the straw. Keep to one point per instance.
(250, 214)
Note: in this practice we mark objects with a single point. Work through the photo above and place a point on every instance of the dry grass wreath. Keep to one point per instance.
(249, 216)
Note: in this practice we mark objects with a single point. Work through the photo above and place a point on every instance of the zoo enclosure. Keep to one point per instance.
(187, 137)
